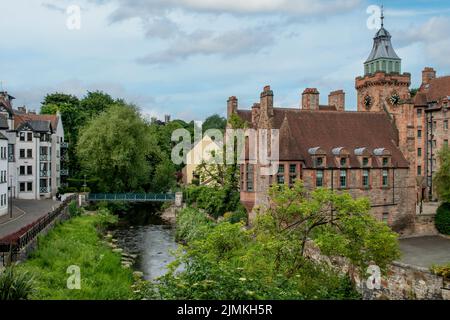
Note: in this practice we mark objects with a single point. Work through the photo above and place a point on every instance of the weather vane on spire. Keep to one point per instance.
(382, 16)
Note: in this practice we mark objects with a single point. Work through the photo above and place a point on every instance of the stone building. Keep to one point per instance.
(36, 148)
(370, 152)
(328, 147)
(432, 116)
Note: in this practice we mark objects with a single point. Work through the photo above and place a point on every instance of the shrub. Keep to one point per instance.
(443, 271)
(228, 263)
(214, 200)
(105, 218)
(74, 210)
(239, 215)
(191, 225)
(15, 285)
(442, 219)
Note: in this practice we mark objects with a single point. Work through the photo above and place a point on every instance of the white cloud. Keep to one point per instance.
(433, 35)
(227, 44)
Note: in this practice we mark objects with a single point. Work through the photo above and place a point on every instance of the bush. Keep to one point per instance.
(214, 200)
(105, 219)
(442, 219)
(74, 210)
(228, 263)
(239, 215)
(191, 225)
(15, 285)
(443, 271)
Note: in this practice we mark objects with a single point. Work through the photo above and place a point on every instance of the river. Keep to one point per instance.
(142, 232)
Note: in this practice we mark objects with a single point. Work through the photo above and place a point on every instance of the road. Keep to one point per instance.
(425, 251)
(24, 213)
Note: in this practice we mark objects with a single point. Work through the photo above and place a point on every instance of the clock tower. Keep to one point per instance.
(383, 87)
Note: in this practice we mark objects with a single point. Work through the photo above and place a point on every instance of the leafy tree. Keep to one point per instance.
(215, 122)
(97, 102)
(115, 147)
(442, 177)
(338, 224)
(227, 262)
(165, 177)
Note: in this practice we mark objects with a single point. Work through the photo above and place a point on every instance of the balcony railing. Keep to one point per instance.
(45, 174)
(64, 145)
(44, 157)
(11, 158)
(45, 189)
(64, 172)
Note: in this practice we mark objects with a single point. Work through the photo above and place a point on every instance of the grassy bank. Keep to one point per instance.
(78, 243)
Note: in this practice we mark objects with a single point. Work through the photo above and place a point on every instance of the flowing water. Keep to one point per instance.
(142, 232)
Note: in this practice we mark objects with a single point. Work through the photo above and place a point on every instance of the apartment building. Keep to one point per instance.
(34, 148)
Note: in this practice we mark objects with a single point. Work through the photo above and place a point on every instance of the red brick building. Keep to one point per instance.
(432, 117)
(379, 151)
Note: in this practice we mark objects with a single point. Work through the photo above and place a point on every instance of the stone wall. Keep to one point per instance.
(401, 282)
(424, 225)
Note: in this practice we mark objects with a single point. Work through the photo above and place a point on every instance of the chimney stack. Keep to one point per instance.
(266, 104)
(22, 109)
(232, 106)
(337, 99)
(427, 75)
(310, 99)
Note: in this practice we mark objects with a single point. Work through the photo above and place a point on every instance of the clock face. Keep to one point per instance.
(395, 99)
(368, 101)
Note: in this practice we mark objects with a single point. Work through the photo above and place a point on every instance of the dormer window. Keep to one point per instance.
(319, 162)
(365, 162)
(343, 162)
(385, 162)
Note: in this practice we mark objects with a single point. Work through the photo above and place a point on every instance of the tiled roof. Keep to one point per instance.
(302, 130)
(437, 89)
(37, 119)
(382, 47)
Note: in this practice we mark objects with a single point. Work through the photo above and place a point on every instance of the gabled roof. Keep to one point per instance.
(434, 91)
(36, 121)
(2, 137)
(304, 130)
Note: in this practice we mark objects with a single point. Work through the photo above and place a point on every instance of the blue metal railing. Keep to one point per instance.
(132, 197)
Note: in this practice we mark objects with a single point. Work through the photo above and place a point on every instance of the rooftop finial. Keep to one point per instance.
(382, 16)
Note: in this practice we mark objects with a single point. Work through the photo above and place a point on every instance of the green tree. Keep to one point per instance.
(165, 177)
(115, 147)
(442, 177)
(97, 102)
(338, 224)
(215, 122)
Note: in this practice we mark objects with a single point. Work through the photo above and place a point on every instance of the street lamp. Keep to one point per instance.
(10, 198)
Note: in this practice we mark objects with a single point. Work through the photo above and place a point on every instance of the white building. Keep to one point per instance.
(3, 175)
(34, 150)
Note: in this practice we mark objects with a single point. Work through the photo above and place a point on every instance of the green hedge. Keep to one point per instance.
(443, 219)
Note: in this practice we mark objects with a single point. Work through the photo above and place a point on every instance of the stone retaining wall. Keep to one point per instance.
(402, 281)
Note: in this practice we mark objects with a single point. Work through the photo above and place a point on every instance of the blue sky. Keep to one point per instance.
(186, 57)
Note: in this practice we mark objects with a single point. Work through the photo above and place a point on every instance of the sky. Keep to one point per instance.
(186, 57)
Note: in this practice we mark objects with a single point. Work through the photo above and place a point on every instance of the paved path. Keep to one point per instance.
(425, 251)
(24, 213)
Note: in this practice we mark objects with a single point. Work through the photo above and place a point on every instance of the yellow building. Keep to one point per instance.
(202, 152)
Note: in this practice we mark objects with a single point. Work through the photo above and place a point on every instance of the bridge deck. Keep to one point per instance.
(132, 197)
